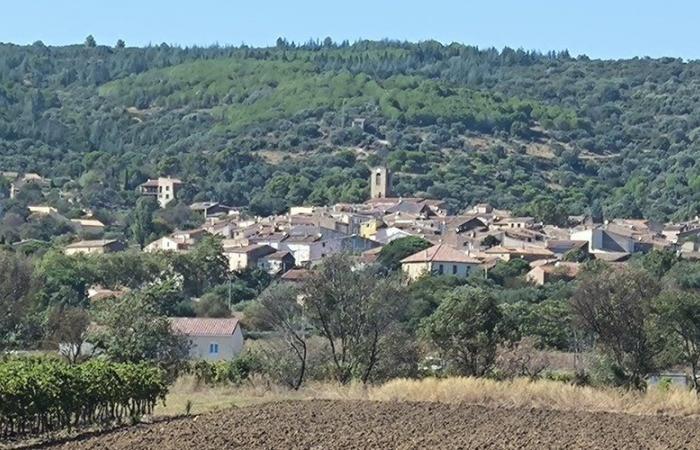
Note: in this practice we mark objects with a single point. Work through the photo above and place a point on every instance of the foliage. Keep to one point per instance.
(391, 254)
(465, 330)
(17, 287)
(135, 329)
(616, 307)
(352, 309)
(40, 396)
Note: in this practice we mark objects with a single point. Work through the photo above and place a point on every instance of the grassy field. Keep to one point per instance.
(510, 394)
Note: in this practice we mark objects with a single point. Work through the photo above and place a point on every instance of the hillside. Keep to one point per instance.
(544, 134)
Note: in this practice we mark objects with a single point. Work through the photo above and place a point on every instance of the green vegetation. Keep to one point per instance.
(41, 396)
(544, 134)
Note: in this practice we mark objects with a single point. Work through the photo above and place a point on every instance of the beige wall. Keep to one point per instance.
(229, 346)
(84, 250)
(415, 270)
(237, 261)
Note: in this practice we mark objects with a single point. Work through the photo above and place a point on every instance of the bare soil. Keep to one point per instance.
(326, 425)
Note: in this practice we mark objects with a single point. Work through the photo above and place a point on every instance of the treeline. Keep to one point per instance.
(41, 396)
(271, 127)
(621, 324)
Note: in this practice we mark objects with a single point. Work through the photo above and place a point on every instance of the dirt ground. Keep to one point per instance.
(325, 424)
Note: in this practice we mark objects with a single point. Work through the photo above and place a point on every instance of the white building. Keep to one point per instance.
(210, 339)
(439, 259)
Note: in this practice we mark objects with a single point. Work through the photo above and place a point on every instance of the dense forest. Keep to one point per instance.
(265, 128)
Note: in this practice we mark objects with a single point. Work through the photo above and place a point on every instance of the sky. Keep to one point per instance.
(597, 28)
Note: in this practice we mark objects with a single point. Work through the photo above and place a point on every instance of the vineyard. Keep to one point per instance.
(40, 396)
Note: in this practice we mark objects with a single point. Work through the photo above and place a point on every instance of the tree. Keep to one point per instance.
(353, 309)
(490, 241)
(658, 262)
(281, 312)
(678, 316)
(202, 268)
(615, 306)
(142, 219)
(67, 331)
(135, 329)
(17, 288)
(465, 330)
(391, 254)
(120, 44)
(212, 305)
(90, 42)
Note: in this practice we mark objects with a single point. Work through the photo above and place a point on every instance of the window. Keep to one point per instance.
(454, 270)
(441, 269)
(213, 348)
(160, 188)
(167, 188)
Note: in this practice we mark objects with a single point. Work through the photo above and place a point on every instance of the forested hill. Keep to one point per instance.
(544, 134)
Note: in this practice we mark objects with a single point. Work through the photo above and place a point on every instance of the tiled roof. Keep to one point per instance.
(440, 252)
(86, 244)
(191, 326)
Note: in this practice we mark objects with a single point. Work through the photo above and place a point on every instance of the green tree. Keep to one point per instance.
(465, 330)
(135, 329)
(280, 311)
(391, 254)
(120, 44)
(90, 42)
(142, 220)
(18, 285)
(678, 316)
(353, 310)
(616, 306)
(212, 305)
(658, 262)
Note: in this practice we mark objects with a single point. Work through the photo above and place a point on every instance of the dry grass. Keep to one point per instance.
(519, 393)
(538, 394)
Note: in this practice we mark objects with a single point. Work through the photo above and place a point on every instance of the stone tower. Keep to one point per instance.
(380, 182)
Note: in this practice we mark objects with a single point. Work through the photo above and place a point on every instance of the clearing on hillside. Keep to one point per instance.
(327, 424)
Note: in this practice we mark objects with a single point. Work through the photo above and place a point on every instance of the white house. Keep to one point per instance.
(210, 339)
(439, 259)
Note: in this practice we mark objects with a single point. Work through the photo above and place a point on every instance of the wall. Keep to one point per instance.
(229, 346)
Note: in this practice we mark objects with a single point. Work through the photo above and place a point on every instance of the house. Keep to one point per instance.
(88, 226)
(18, 181)
(295, 276)
(165, 189)
(552, 272)
(439, 259)
(560, 247)
(210, 339)
(386, 235)
(178, 241)
(210, 209)
(514, 222)
(277, 263)
(601, 240)
(370, 227)
(526, 253)
(240, 258)
(42, 210)
(96, 247)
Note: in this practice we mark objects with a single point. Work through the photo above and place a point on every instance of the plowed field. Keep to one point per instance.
(362, 424)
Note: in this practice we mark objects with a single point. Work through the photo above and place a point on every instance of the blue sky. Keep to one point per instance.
(598, 28)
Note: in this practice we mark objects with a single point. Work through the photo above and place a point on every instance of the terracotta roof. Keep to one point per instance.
(86, 244)
(440, 252)
(195, 326)
(296, 275)
(519, 251)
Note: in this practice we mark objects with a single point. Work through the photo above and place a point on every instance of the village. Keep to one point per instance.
(464, 242)
(460, 244)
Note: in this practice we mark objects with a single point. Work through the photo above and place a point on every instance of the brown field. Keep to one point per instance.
(362, 424)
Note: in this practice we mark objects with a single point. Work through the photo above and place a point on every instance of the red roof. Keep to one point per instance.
(195, 326)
